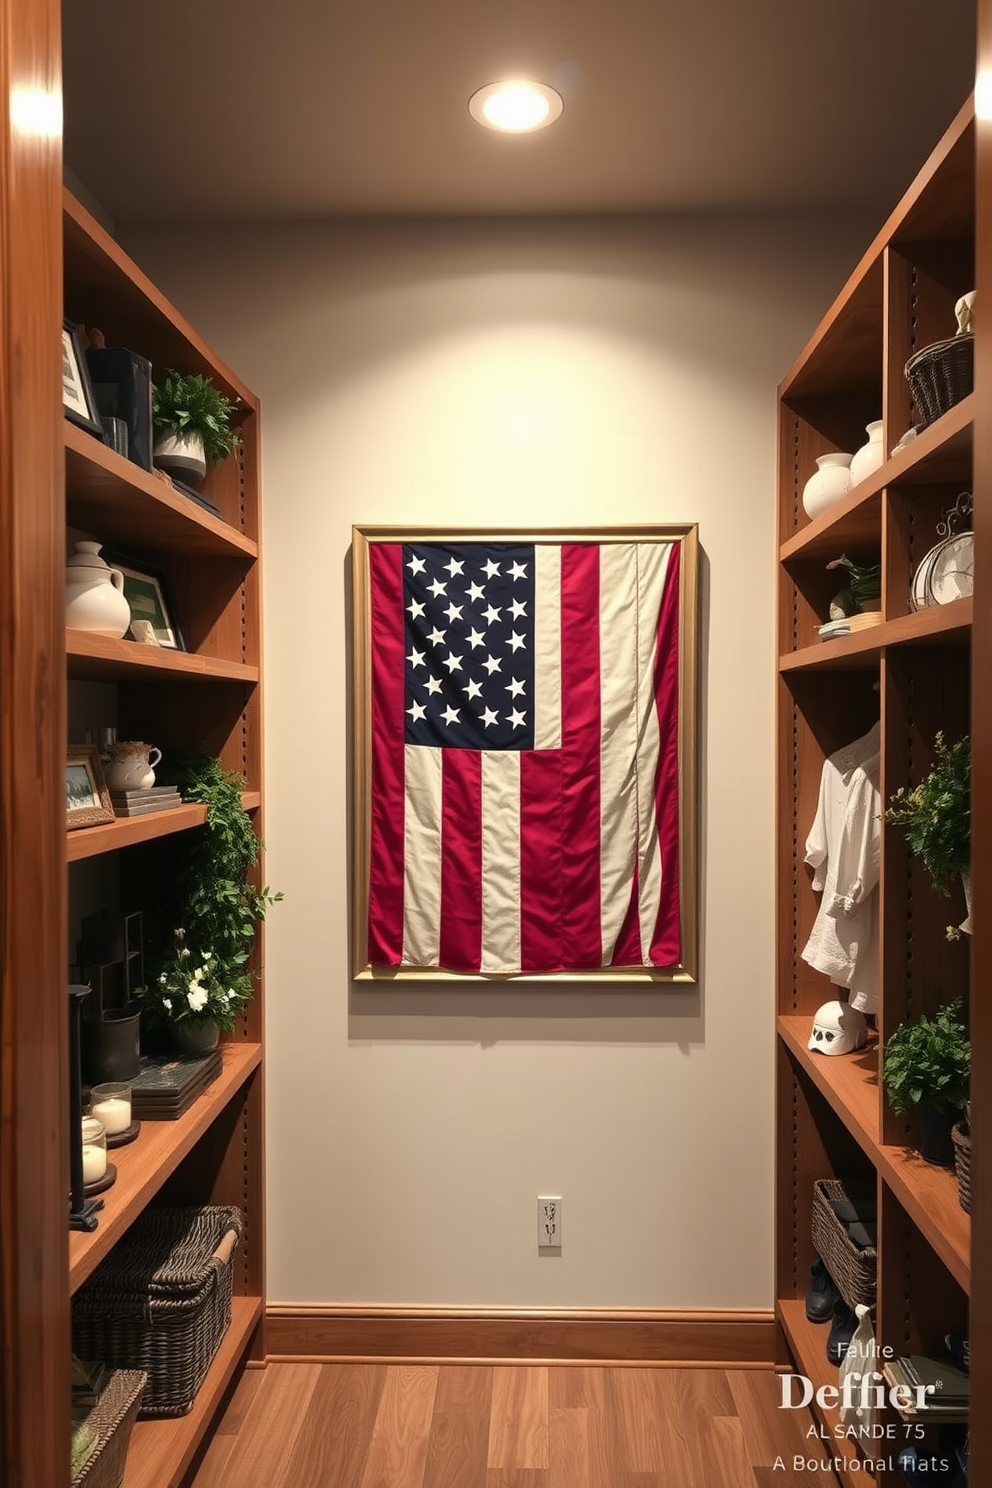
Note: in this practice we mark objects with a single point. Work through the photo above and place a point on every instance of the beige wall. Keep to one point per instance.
(519, 373)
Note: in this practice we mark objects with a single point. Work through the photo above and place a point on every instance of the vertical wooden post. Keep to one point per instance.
(981, 842)
(33, 973)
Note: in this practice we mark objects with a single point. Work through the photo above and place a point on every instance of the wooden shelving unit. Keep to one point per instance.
(911, 674)
(207, 695)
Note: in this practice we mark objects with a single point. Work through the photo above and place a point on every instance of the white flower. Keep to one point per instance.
(167, 1003)
(163, 979)
(198, 974)
(197, 997)
(184, 951)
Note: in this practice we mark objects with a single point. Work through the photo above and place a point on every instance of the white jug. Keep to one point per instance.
(94, 593)
(131, 765)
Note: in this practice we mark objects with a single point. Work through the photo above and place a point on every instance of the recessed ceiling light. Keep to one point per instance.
(515, 106)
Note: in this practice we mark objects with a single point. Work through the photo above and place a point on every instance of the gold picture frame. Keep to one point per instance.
(87, 800)
(636, 545)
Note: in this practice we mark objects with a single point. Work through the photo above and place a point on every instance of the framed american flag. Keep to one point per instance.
(525, 754)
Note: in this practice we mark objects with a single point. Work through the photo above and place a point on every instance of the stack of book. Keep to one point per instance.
(138, 802)
(168, 1084)
(947, 1388)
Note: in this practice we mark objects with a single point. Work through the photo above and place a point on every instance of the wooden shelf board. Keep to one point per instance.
(144, 1165)
(90, 842)
(98, 266)
(122, 504)
(160, 1451)
(941, 625)
(808, 1342)
(850, 1082)
(941, 453)
(96, 658)
(929, 1195)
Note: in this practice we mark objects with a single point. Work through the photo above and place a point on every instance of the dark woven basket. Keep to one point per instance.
(941, 375)
(962, 1164)
(112, 1418)
(854, 1271)
(161, 1302)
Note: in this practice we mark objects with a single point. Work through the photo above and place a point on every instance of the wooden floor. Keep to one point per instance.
(509, 1426)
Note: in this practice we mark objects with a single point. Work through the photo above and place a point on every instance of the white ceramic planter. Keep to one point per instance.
(866, 460)
(183, 453)
(831, 482)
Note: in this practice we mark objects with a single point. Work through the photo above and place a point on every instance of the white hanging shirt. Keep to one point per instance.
(843, 849)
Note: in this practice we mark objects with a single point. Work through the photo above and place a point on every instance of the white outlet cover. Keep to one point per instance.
(549, 1221)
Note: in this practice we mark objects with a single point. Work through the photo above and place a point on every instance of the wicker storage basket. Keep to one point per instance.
(111, 1418)
(161, 1302)
(854, 1270)
(962, 1164)
(941, 375)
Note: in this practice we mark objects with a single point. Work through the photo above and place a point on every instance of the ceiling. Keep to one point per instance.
(248, 109)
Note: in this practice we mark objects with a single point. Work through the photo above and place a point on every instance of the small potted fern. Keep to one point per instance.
(192, 422)
(927, 1065)
(936, 818)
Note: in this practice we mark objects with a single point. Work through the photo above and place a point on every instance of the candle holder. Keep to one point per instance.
(82, 1210)
(98, 1173)
(111, 1104)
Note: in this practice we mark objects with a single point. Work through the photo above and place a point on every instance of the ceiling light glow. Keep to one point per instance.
(516, 106)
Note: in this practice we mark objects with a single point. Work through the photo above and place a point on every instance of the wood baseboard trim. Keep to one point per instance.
(724, 1340)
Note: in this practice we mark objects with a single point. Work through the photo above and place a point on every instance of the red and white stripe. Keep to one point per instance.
(561, 858)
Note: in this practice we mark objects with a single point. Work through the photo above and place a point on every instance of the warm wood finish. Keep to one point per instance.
(525, 1426)
(89, 842)
(981, 805)
(488, 1334)
(105, 288)
(126, 505)
(51, 474)
(941, 453)
(161, 1451)
(97, 658)
(144, 1165)
(34, 1336)
(943, 625)
(913, 673)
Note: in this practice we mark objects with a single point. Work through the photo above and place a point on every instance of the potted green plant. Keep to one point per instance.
(936, 818)
(190, 999)
(927, 1065)
(192, 422)
(864, 586)
(201, 973)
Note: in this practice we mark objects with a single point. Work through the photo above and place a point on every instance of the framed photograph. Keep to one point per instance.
(146, 591)
(87, 800)
(525, 754)
(78, 402)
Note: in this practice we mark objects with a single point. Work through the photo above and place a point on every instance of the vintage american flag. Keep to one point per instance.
(524, 783)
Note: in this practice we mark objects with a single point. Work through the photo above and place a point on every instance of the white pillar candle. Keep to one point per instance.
(114, 1112)
(94, 1163)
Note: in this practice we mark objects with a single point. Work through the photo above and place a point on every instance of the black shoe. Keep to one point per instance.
(842, 1326)
(822, 1293)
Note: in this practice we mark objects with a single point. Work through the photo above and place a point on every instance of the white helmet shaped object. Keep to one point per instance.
(837, 1029)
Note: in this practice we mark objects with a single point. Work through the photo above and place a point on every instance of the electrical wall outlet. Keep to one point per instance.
(549, 1221)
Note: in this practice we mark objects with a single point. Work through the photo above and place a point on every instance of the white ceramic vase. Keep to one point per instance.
(866, 460)
(183, 453)
(94, 593)
(831, 482)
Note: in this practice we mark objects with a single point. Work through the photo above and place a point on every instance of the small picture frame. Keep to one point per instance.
(147, 592)
(87, 800)
(78, 401)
